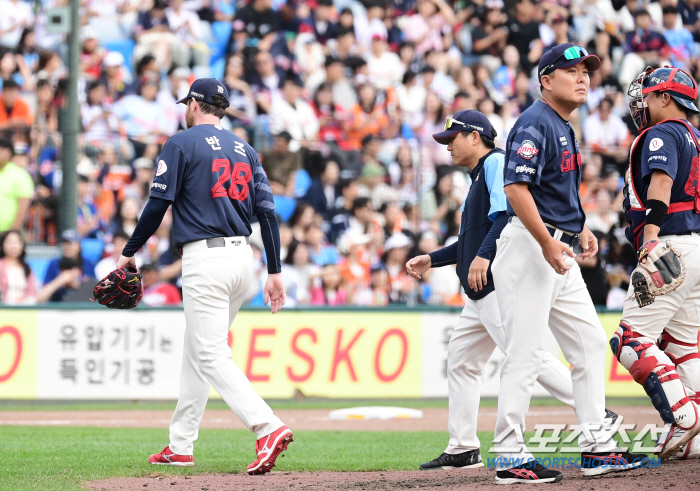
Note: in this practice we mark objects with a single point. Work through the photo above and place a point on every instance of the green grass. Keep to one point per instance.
(57, 458)
(306, 403)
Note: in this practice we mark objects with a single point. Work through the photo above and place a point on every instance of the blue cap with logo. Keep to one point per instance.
(564, 56)
(207, 90)
(467, 120)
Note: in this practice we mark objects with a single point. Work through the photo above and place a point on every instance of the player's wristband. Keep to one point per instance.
(656, 212)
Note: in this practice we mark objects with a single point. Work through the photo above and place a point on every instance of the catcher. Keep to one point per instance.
(657, 337)
(120, 289)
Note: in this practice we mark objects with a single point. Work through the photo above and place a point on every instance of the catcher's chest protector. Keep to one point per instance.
(634, 208)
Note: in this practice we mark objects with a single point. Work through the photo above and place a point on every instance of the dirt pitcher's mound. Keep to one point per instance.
(676, 475)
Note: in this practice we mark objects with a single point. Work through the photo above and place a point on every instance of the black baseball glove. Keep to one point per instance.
(120, 289)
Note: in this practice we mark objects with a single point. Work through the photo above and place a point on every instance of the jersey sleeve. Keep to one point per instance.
(171, 167)
(526, 155)
(661, 150)
(493, 168)
(263, 193)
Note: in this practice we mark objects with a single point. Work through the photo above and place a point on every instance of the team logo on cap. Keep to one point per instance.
(220, 89)
(161, 168)
(527, 150)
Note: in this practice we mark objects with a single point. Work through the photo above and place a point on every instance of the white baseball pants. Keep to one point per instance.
(678, 312)
(214, 284)
(477, 333)
(532, 298)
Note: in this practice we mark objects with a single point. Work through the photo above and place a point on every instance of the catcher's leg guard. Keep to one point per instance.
(654, 370)
(686, 358)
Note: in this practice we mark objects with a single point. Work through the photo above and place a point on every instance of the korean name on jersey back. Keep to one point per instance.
(216, 184)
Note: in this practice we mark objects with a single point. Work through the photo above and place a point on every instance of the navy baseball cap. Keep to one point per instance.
(564, 56)
(467, 120)
(207, 90)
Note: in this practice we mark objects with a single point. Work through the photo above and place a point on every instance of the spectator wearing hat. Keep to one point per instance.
(70, 249)
(354, 266)
(559, 26)
(376, 294)
(294, 115)
(402, 288)
(16, 189)
(684, 52)
(281, 164)
(114, 77)
(140, 187)
(14, 111)
(157, 293)
(385, 67)
(91, 53)
(16, 16)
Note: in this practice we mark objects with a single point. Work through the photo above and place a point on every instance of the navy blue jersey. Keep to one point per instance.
(215, 181)
(542, 150)
(670, 148)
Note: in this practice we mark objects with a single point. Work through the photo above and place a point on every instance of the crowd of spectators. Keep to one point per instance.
(340, 98)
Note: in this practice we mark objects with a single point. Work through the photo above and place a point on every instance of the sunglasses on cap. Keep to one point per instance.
(572, 53)
(450, 122)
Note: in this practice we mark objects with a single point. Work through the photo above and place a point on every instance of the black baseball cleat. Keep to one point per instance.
(611, 420)
(470, 459)
(599, 463)
(529, 473)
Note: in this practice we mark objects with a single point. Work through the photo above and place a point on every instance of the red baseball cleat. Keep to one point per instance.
(268, 448)
(167, 457)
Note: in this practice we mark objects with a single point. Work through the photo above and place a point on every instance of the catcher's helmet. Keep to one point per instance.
(677, 83)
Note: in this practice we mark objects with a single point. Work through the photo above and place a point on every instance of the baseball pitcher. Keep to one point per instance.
(216, 184)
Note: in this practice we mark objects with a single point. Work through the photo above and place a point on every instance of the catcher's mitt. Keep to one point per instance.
(120, 289)
(660, 271)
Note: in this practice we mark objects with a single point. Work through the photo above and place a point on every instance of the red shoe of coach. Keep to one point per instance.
(167, 457)
(268, 449)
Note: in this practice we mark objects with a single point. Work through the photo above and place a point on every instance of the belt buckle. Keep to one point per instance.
(575, 239)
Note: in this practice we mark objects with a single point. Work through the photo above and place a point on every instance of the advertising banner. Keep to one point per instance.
(107, 354)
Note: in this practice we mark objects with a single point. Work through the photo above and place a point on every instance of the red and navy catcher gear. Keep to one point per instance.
(674, 81)
(120, 289)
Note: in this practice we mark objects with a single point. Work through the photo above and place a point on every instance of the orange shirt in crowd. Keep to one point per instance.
(19, 111)
(363, 124)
